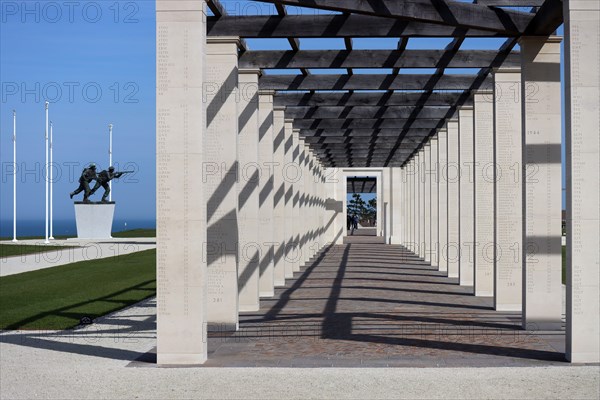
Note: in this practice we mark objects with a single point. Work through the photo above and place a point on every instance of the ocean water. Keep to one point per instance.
(65, 227)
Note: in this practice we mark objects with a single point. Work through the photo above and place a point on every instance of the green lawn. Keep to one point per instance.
(135, 233)
(57, 298)
(11, 250)
(124, 234)
(564, 265)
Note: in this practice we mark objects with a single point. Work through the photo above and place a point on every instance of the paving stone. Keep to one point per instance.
(370, 304)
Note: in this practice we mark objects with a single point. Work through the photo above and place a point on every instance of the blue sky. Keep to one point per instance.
(96, 67)
(71, 55)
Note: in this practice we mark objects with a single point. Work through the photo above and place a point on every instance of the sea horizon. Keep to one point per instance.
(67, 227)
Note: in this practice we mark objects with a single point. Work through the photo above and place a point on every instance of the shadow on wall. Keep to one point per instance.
(334, 205)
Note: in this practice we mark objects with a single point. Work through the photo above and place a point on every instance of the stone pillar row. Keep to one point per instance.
(289, 207)
(261, 180)
(482, 196)
(241, 202)
(240, 199)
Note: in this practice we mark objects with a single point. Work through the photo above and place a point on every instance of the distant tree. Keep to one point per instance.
(366, 211)
(357, 206)
(372, 209)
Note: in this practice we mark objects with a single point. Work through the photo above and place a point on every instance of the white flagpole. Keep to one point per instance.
(110, 127)
(14, 176)
(51, 184)
(46, 176)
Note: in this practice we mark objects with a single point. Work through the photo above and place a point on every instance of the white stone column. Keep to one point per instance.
(220, 178)
(278, 196)
(387, 199)
(508, 211)
(422, 201)
(413, 206)
(427, 201)
(443, 199)
(322, 197)
(417, 206)
(483, 108)
(405, 206)
(311, 213)
(542, 287)
(249, 248)
(180, 223)
(316, 242)
(337, 204)
(410, 174)
(289, 176)
(304, 218)
(265, 193)
(466, 174)
(454, 248)
(396, 205)
(582, 64)
(297, 178)
(434, 179)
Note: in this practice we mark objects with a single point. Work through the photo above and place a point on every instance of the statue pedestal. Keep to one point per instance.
(94, 220)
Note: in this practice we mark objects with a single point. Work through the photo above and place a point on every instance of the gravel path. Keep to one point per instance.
(94, 362)
(81, 250)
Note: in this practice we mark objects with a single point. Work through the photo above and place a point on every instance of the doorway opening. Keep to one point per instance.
(361, 206)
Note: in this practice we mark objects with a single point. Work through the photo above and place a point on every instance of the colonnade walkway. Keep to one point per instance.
(372, 304)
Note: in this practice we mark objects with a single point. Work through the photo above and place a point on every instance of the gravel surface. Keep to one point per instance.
(81, 250)
(94, 362)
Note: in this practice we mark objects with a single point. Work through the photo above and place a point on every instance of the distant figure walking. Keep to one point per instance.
(354, 223)
(349, 222)
(88, 175)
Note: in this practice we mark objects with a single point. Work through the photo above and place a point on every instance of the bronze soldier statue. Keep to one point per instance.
(88, 175)
(103, 178)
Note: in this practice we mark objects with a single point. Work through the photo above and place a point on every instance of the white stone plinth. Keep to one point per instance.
(94, 220)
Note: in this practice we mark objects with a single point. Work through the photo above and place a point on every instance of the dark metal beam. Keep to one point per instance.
(294, 43)
(483, 74)
(370, 82)
(446, 12)
(320, 26)
(547, 19)
(281, 59)
(344, 123)
(350, 133)
(295, 99)
(216, 7)
(332, 140)
(511, 3)
(369, 112)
